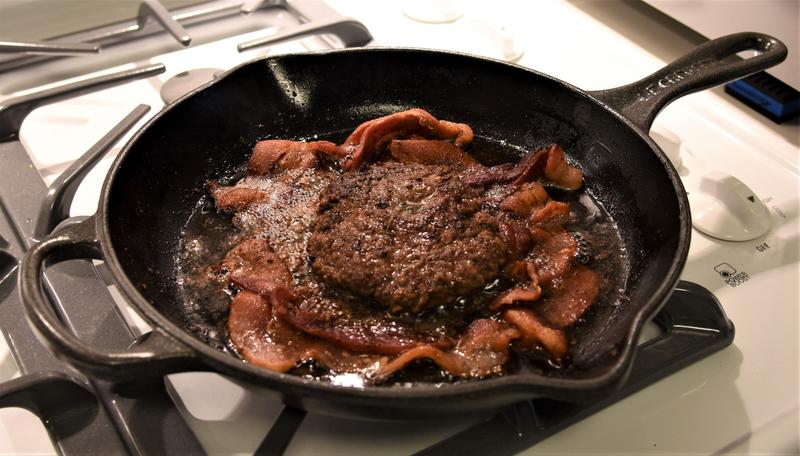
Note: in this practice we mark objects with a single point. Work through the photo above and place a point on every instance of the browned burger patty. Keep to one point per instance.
(409, 236)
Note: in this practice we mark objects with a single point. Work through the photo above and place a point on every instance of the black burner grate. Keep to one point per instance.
(81, 415)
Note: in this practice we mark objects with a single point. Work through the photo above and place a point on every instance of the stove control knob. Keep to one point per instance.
(500, 35)
(669, 142)
(725, 208)
(433, 11)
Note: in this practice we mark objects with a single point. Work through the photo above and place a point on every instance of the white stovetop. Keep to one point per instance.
(743, 399)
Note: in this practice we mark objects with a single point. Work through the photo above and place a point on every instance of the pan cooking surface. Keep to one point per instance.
(208, 235)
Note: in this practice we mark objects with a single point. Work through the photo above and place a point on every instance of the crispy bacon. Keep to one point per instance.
(253, 265)
(549, 162)
(269, 342)
(517, 237)
(530, 168)
(559, 171)
(570, 297)
(482, 351)
(369, 137)
(529, 197)
(235, 199)
(554, 256)
(534, 330)
(527, 293)
(515, 296)
(429, 152)
(275, 154)
(554, 214)
(330, 321)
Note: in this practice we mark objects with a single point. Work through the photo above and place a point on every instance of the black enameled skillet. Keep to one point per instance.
(162, 172)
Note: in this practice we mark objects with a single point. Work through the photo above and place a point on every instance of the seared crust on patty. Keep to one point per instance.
(409, 236)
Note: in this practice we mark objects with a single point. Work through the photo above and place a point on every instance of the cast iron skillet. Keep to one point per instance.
(162, 172)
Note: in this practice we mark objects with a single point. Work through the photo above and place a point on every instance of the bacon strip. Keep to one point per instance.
(371, 136)
(429, 152)
(274, 154)
(530, 168)
(460, 133)
(554, 256)
(559, 171)
(534, 330)
(549, 162)
(253, 325)
(554, 214)
(235, 199)
(567, 300)
(528, 198)
(253, 265)
(266, 341)
(517, 237)
(367, 334)
(515, 296)
(528, 293)
(482, 351)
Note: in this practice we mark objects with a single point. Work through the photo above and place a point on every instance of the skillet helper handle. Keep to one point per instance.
(154, 354)
(711, 64)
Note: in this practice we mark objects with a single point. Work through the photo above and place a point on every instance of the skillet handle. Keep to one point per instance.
(710, 64)
(154, 354)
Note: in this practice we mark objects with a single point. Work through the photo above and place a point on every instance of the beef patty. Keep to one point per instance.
(409, 236)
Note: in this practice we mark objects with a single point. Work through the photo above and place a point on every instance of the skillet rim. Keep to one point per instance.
(534, 384)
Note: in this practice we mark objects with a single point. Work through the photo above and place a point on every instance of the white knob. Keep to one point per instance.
(499, 34)
(725, 208)
(433, 11)
(512, 51)
(669, 142)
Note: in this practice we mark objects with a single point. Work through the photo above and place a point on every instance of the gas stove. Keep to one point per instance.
(740, 399)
